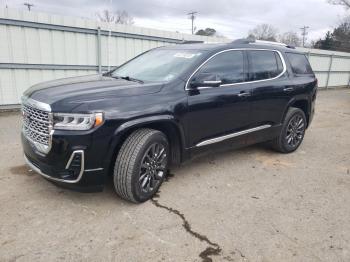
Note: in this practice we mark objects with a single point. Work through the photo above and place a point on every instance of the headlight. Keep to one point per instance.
(76, 121)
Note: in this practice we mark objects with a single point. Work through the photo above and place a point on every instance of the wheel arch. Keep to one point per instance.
(164, 123)
(301, 103)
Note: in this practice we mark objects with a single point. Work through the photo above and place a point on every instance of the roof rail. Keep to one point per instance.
(191, 42)
(243, 41)
(263, 42)
(260, 42)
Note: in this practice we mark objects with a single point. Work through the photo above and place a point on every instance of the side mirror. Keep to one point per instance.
(205, 80)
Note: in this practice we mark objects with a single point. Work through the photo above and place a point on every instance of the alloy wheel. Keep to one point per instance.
(295, 131)
(153, 167)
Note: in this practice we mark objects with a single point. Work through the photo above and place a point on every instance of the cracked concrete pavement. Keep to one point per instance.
(250, 204)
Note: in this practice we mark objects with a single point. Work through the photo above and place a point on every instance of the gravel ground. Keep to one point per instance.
(246, 205)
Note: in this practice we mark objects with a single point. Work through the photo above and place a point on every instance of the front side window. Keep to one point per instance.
(264, 64)
(227, 67)
(300, 64)
(159, 64)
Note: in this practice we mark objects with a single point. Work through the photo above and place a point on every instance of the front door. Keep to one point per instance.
(216, 111)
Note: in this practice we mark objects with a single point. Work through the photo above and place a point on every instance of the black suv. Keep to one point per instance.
(162, 107)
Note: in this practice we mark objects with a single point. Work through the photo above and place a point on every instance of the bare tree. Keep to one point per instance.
(345, 3)
(264, 32)
(124, 18)
(105, 16)
(290, 38)
(118, 17)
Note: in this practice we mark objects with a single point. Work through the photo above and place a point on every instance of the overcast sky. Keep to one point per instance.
(231, 18)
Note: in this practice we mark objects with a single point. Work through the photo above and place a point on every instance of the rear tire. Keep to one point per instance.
(141, 165)
(292, 132)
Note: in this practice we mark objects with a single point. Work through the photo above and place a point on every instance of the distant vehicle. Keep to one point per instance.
(161, 108)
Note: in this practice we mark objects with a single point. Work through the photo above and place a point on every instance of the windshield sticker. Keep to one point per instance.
(186, 55)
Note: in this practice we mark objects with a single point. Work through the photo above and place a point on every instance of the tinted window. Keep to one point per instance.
(227, 67)
(300, 64)
(264, 65)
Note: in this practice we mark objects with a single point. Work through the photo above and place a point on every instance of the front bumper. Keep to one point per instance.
(73, 158)
(67, 164)
(35, 167)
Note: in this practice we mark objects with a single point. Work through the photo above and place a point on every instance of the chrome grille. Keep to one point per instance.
(37, 114)
(36, 126)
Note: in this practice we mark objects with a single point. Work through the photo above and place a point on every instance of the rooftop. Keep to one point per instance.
(236, 44)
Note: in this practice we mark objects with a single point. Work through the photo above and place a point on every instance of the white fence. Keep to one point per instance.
(36, 47)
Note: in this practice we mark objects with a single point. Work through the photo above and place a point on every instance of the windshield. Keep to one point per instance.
(158, 65)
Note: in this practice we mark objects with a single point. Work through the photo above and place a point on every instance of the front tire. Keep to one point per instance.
(141, 165)
(292, 132)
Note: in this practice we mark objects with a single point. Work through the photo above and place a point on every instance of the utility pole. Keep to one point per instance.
(28, 5)
(109, 48)
(192, 17)
(304, 33)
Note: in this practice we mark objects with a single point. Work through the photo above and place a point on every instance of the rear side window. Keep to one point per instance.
(227, 67)
(264, 64)
(300, 64)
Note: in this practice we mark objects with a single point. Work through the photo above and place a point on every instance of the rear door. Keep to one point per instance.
(271, 86)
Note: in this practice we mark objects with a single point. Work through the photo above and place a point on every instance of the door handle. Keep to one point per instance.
(243, 94)
(288, 89)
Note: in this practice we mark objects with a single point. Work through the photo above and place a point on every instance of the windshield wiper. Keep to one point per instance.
(128, 78)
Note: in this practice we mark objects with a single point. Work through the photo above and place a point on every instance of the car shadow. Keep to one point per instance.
(108, 195)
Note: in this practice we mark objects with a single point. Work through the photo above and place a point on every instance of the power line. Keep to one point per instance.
(192, 17)
(304, 33)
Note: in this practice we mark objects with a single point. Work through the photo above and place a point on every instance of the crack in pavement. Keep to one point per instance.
(212, 250)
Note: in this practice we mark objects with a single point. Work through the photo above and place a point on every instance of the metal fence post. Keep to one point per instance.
(99, 50)
(329, 71)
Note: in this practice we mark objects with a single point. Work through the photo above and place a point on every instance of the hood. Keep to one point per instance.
(85, 89)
